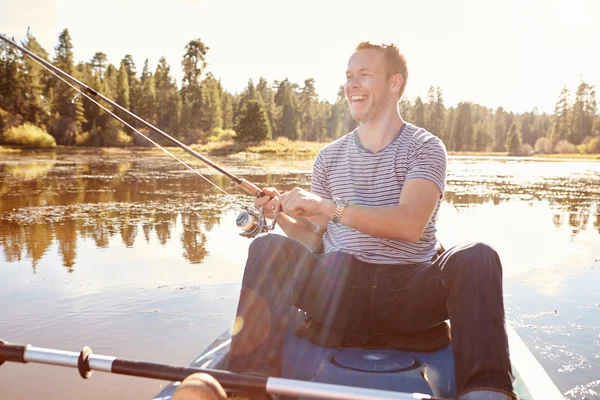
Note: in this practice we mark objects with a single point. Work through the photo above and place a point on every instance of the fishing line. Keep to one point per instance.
(79, 93)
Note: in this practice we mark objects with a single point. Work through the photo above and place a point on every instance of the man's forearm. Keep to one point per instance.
(397, 223)
(299, 232)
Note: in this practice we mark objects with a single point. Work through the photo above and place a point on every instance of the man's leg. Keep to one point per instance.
(280, 273)
(464, 283)
(264, 305)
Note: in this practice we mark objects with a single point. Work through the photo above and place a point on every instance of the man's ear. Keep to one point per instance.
(397, 81)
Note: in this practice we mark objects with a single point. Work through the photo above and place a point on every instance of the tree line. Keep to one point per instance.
(34, 103)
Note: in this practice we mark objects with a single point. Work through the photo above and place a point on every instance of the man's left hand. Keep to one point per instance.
(301, 203)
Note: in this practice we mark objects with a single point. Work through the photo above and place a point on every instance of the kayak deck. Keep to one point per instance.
(385, 369)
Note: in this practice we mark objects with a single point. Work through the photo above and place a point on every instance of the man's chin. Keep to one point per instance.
(357, 116)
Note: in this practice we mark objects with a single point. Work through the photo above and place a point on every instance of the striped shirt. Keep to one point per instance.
(347, 170)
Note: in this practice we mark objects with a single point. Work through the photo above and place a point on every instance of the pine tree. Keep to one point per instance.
(280, 94)
(12, 93)
(227, 110)
(253, 124)
(448, 123)
(166, 98)
(147, 100)
(194, 62)
(268, 99)
(499, 129)
(462, 130)
(123, 96)
(405, 108)
(434, 118)
(513, 140)
(308, 101)
(584, 111)
(35, 79)
(123, 86)
(99, 64)
(211, 103)
(70, 113)
(418, 114)
(248, 94)
(560, 129)
(289, 119)
(133, 83)
(482, 137)
(91, 110)
(339, 116)
(193, 114)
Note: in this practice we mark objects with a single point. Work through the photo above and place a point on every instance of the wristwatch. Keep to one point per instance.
(339, 210)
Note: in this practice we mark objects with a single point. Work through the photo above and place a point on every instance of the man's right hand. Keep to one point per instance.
(200, 386)
(268, 201)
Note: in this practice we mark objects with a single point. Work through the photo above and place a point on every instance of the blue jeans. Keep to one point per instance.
(464, 284)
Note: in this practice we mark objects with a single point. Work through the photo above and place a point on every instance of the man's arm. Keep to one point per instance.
(406, 221)
(301, 233)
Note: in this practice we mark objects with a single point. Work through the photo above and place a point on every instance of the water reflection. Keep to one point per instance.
(97, 195)
(29, 236)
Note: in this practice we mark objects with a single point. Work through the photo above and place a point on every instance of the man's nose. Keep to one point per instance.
(353, 83)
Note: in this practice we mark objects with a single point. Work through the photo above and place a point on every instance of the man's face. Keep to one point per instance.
(367, 89)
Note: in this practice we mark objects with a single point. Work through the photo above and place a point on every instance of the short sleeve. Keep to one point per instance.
(319, 177)
(429, 162)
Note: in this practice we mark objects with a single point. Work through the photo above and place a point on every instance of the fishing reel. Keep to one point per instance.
(252, 222)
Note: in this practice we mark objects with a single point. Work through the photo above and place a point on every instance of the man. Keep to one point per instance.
(376, 193)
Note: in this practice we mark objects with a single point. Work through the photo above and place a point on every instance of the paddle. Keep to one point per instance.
(86, 362)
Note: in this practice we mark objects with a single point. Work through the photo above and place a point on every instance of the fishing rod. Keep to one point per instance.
(251, 221)
(87, 362)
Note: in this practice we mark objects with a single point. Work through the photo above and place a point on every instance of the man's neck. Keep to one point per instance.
(375, 135)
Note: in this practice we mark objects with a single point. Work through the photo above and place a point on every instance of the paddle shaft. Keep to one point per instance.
(86, 362)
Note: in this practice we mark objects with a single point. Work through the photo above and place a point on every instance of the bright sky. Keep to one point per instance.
(511, 53)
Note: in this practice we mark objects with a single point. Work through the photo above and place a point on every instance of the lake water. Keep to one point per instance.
(133, 255)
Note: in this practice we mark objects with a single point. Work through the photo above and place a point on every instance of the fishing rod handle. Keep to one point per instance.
(250, 188)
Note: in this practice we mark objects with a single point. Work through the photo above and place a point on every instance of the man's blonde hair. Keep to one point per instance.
(395, 61)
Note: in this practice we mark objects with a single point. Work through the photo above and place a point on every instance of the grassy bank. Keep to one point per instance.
(8, 150)
(576, 156)
(285, 147)
(279, 147)
(570, 156)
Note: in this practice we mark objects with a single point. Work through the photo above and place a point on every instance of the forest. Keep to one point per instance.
(37, 109)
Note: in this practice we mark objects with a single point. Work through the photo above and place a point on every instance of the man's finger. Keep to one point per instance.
(261, 201)
(271, 192)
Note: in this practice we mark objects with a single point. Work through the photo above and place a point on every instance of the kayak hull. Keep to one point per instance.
(380, 368)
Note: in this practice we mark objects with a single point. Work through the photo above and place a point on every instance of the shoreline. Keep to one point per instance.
(284, 147)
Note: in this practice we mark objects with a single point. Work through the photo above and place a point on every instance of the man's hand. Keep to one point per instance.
(268, 201)
(199, 386)
(301, 203)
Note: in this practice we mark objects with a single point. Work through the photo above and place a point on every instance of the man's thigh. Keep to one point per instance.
(336, 291)
(409, 298)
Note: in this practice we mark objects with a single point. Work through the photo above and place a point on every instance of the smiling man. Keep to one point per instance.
(376, 192)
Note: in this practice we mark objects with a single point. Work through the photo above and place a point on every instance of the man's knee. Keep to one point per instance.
(475, 258)
(483, 251)
(269, 253)
(264, 244)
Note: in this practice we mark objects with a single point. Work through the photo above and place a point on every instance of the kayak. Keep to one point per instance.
(383, 368)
